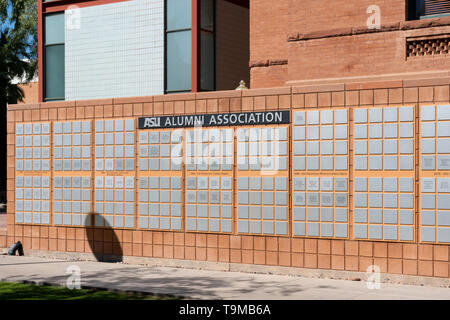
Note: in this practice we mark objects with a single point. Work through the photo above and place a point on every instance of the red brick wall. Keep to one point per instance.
(272, 21)
(232, 45)
(267, 77)
(315, 15)
(31, 91)
(269, 28)
(326, 53)
(370, 54)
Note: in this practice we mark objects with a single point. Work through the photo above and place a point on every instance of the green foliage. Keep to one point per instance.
(19, 291)
(18, 46)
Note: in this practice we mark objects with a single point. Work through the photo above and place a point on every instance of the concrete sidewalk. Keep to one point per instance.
(202, 284)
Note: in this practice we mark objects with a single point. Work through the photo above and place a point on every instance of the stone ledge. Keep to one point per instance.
(174, 97)
(386, 81)
(247, 268)
(318, 88)
(31, 106)
(426, 82)
(374, 85)
(267, 63)
(266, 91)
(125, 100)
(399, 26)
(219, 94)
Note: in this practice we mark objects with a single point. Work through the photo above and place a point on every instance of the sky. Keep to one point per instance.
(6, 24)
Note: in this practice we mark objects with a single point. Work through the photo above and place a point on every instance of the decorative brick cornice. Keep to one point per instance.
(399, 26)
(267, 63)
(23, 106)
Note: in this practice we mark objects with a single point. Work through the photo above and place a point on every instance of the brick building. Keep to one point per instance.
(350, 97)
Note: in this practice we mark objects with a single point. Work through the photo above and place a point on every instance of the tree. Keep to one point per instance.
(18, 60)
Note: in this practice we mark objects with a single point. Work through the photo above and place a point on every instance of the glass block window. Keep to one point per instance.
(435, 210)
(72, 146)
(320, 206)
(384, 208)
(160, 150)
(114, 145)
(320, 140)
(262, 149)
(209, 203)
(72, 200)
(263, 205)
(33, 200)
(160, 202)
(33, 146)
(209, 150)
(114, 201)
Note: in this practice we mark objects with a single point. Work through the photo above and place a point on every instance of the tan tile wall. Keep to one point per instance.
(352, 255)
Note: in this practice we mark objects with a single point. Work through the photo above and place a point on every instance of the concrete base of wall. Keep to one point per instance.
(247, 268)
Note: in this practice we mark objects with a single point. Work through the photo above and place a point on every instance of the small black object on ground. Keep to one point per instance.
(16, 247)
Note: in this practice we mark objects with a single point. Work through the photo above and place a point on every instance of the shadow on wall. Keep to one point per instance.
(104, 245)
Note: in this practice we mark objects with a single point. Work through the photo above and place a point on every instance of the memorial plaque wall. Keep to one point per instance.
(384, 173)
(320, 173)
(435, 169)
(33, 172)
(209, 180)
(160, 180)
(269, 178)
(263, 180)
(115, 191)
(115, 201)
(72, 200)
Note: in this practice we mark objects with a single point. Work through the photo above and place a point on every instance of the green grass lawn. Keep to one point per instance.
(20, 291)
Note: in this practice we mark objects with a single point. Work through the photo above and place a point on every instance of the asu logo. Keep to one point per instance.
(152, 122)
